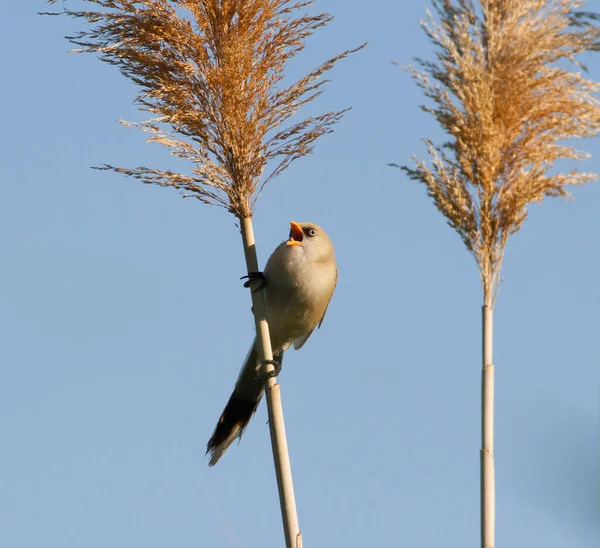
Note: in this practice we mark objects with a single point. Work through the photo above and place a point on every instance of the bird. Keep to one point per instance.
(299, 280)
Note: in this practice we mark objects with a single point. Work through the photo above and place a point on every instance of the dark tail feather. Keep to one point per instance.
(231, 425)
(239, 409)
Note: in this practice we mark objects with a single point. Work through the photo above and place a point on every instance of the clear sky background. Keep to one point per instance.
(124, 323)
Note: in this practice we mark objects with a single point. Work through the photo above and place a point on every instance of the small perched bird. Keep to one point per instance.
(299, 281)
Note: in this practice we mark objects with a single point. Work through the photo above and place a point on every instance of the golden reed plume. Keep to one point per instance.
(211, 75)
(503, 91)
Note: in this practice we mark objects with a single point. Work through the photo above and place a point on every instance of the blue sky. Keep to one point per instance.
(124, 325)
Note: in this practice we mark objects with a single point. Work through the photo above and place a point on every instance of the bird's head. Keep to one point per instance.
(312, 239)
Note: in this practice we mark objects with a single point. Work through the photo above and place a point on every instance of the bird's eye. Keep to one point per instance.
(312, 232)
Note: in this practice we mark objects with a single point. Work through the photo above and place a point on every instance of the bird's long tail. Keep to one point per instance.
(239, 409)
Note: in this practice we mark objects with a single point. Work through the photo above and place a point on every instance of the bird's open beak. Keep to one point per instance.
(296, 234)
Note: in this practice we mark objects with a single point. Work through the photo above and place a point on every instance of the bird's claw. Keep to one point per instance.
(263, 375)
(256, 280)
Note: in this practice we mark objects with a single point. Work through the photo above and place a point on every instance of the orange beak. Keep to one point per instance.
(296, 234)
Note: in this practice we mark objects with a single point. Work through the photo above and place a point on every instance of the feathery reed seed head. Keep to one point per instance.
(503, 92)
(210, 74)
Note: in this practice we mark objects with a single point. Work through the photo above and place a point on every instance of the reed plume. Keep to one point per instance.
(210, 74)
(507, 88)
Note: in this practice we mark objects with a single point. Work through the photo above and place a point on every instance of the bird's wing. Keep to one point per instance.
(299, 342)
(337, 273)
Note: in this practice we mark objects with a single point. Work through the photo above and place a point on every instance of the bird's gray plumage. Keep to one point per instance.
(300, 277)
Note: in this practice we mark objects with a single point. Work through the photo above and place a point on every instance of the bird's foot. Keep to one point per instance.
(256, 280)
(263, 375)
